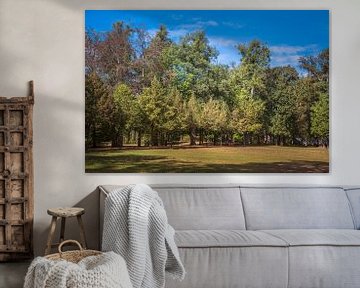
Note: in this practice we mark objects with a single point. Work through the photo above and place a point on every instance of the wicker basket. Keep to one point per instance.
(72, 256)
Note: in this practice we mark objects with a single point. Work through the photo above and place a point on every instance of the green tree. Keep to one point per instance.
(280, 103)
(214, 118)
(305, 94)
(174, 115)
(247, 116)
(152, 61)
(320, 119)
(95, 90)
(251, 74)
(141, 86)
(190, 62)
(192, 117)
(317, 66)
(248, 82)
(123, 102)
(282, 122)
(137, 120)
(153, 104)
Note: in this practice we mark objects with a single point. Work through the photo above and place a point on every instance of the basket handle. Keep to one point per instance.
(69, 241)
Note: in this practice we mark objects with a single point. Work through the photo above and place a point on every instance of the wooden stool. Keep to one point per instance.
(64, 213)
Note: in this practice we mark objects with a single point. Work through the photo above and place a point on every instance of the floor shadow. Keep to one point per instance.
(12, 274)
(91, 222)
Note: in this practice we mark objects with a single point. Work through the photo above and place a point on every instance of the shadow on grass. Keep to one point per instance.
(274, 167)
(162, 164)
(135, 164)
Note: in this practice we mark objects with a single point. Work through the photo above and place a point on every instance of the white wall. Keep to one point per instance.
(43, 40)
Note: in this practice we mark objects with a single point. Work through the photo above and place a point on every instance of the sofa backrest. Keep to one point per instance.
(296, 208)
(202, 207)
(354, 198)
(234, 207)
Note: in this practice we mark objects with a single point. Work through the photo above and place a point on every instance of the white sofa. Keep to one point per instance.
(263, 237)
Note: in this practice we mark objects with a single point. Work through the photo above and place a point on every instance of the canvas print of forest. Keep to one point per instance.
(207, 91)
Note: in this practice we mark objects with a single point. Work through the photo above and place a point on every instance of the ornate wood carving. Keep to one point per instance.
(16, 177)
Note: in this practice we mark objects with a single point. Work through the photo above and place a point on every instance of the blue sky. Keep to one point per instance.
(289, 33)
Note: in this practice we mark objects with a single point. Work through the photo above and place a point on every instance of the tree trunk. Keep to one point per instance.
(121, 140)
(139, 139)
(223, 139)
(192, 136)
(93, 137)
(154, 137)
(165, 140)
(277, 140)
(118, 140)
(162, 139)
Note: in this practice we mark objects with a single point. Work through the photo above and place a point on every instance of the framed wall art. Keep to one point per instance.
(232, 91)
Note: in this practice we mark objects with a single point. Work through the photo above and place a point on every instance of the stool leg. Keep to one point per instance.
(51, 235)
(62, 231)
(82, 232)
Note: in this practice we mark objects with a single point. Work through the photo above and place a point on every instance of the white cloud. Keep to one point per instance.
(177, 16)
(234, 25)
(177, 33)
(282, 55)
(287, 49)
(208, 23)
(152, 32)
(284, 60)
(228, 53)
(220, 41)
(198, 25)
(228, 56)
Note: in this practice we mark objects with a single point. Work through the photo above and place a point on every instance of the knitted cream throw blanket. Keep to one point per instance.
(136, 227)
(103, 271)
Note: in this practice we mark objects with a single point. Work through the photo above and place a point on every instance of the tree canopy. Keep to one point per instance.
(153, 91)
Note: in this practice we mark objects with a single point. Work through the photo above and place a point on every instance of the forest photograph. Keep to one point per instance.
(197, 91)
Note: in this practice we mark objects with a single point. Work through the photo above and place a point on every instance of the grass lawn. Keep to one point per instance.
(258, 159)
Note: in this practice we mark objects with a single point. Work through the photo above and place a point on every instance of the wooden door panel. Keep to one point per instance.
(2, 117)
(16, 118)
(16, 162)
(17, 188)
(16, 139)
(16, 177)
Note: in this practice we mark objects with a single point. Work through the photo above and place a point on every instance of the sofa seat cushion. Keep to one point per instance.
(317, 237)
(233, 267)
(225, 238)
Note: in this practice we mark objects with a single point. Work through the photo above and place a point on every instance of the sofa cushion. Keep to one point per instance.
(226, 238)
(204, 208)
(317, 237)
(223, 267)
(296, 208)
(324, 266)
(191, 207)
(322, 258)
(354, 198)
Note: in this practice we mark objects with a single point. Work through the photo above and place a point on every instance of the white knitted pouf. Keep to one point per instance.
(107, 270)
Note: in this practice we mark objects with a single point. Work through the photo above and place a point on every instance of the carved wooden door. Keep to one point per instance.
(16, 177)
